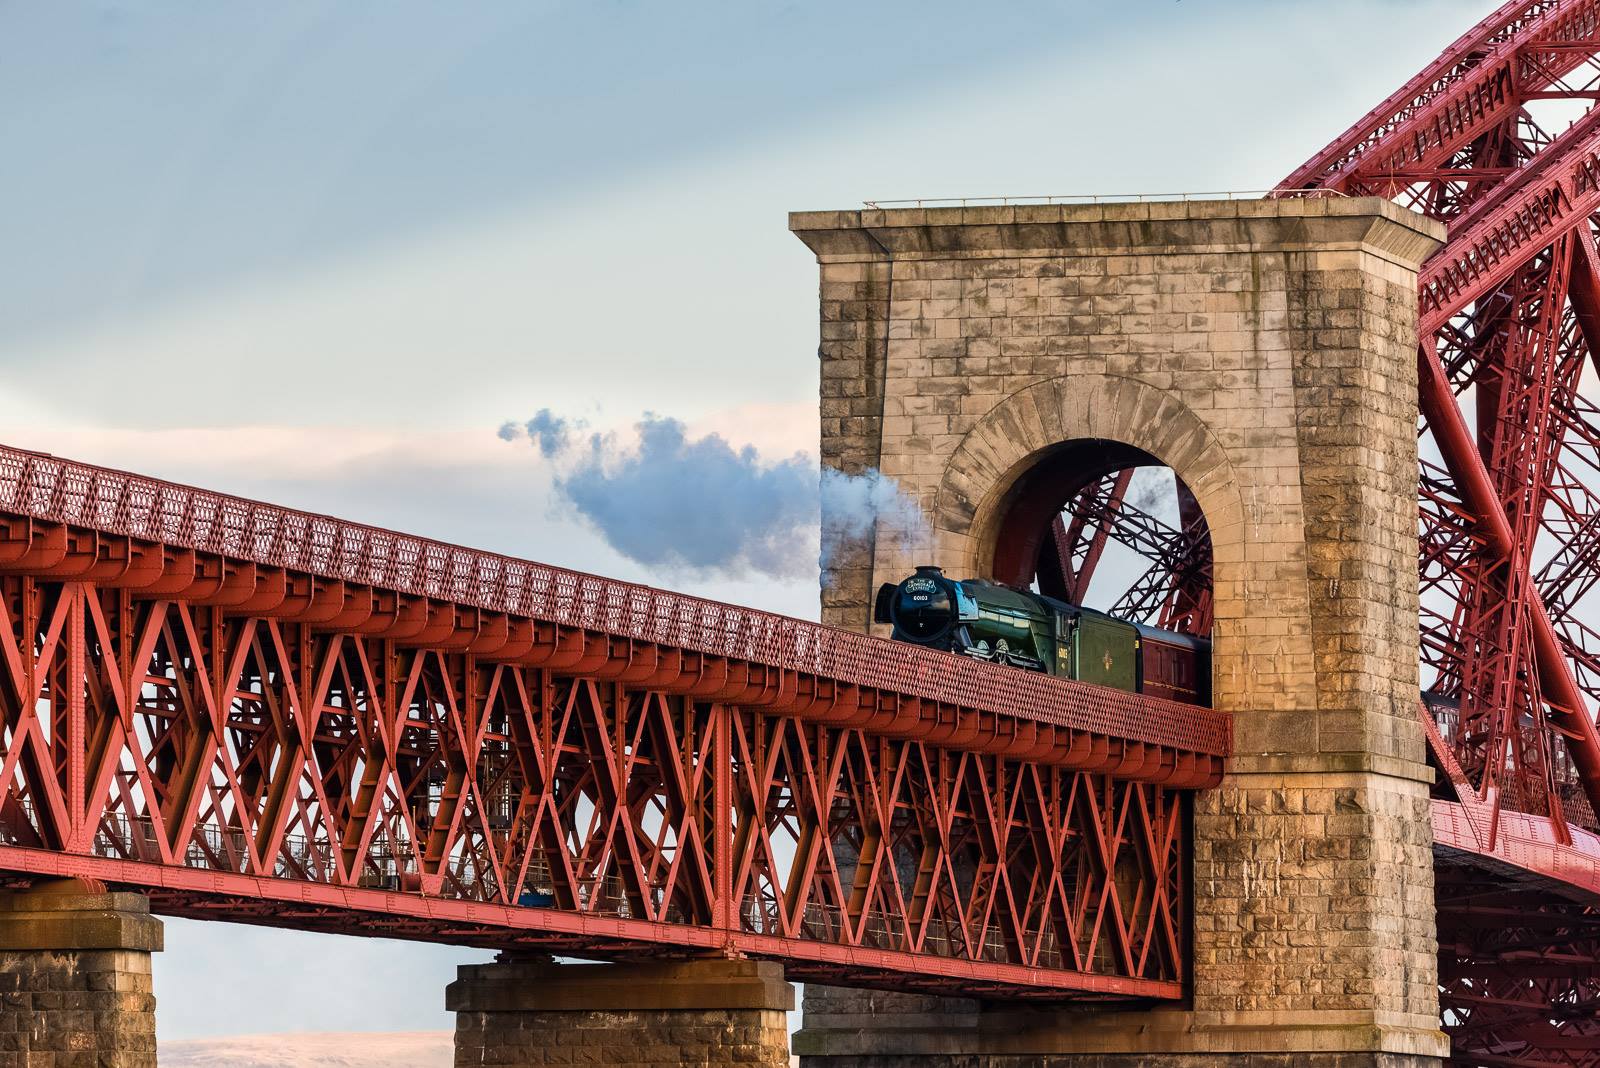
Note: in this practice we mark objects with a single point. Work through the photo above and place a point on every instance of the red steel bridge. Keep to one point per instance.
(255, 713)
(268, 716)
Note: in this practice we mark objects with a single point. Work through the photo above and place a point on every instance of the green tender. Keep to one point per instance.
(1104, 652)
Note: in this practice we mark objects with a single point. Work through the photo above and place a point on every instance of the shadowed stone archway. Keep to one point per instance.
(1023, 431)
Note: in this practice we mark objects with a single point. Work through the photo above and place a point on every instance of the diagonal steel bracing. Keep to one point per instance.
(1510, 504)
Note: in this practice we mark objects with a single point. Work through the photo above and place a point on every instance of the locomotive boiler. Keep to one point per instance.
(987, 621)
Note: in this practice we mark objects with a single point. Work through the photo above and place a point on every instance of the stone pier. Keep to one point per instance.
(703, 1012)
(1266, 352)
(75, 986)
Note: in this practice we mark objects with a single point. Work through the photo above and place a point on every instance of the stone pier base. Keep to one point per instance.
(847, 1028)
(1129, 1060)
(710, 1012)
(843, 1026)
(75, 978)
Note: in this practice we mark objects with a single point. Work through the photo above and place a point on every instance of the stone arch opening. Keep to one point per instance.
(1032, 430)
(1105, 524)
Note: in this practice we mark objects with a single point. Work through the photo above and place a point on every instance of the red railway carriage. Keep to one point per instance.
(1174, 666)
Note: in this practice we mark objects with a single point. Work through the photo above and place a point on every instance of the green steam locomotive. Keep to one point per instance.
(1003, 625)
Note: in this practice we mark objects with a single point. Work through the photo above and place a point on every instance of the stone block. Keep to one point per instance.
(647, 1015)
(75, 983)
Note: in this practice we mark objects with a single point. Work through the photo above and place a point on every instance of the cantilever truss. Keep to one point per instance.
(1496, 138)
(1173, 593)
(256, 713)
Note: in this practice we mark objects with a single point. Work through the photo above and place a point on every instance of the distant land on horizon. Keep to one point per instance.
(352, 1049)
(403, 1049)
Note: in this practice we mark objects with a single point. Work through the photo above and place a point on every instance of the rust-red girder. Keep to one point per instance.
(1510, 511)
(1519, 53)
(64, 519)
(282, 718)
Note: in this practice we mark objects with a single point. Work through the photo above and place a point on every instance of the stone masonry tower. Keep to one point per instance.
(1266, 352)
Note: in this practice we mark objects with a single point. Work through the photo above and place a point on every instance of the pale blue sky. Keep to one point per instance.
(318, 252)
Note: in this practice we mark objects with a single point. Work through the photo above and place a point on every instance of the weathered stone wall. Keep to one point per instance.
(852, 355)
(89, 1007)
(1120, 1060)
(639, 1039)
(845, 1026)
(730, 1013)
(75, 985)
(1266, 352)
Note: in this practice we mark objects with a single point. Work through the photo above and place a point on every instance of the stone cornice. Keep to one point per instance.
(1153, 228)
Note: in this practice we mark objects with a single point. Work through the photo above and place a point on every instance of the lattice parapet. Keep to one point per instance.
(160, 539)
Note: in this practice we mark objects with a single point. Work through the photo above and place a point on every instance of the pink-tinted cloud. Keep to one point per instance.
(415, 1049)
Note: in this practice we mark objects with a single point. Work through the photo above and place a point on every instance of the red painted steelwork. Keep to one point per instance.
(1518, 963)
(233, 706)
(1071, 504)
(335, 909)
(1173, 593)
(138, 531)
(1510, 512)
(1537, 206)
(1470, 92)
(1078, 546)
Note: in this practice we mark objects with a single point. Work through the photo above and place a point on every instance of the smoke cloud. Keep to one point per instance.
(679, 503)
(697, 505)
(852, 505)
(549, 433)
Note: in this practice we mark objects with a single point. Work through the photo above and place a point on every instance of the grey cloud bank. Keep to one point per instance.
(326, 127)
(413, 1049)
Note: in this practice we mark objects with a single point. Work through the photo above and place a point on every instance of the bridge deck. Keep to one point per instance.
(277, 717)
(137, 533)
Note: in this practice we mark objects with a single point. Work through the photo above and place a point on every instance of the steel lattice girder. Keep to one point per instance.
(1520, 968)
(1497, 318)
(1174, 593)
(1467, 94)
(614, 770)
(194, 751)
